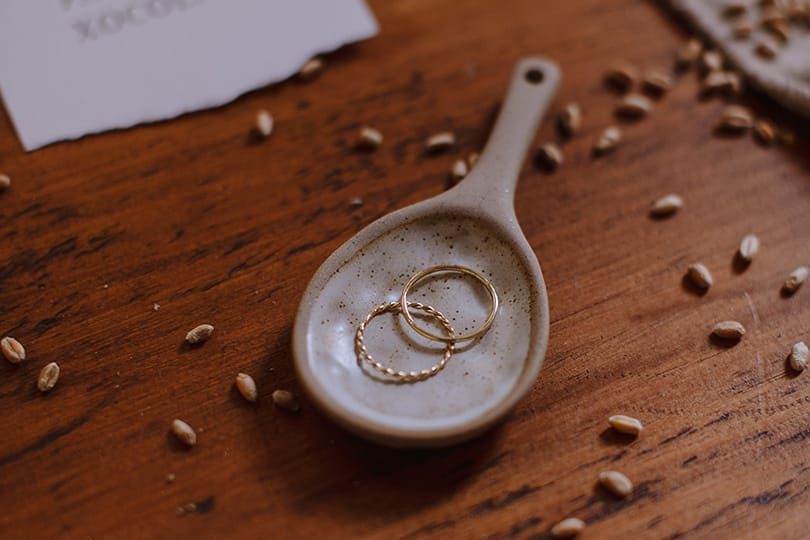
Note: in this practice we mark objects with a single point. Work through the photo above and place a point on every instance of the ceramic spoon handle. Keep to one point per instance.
(493, 179)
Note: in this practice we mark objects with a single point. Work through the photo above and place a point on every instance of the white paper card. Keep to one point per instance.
(73, 67)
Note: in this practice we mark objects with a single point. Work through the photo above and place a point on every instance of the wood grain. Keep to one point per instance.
(197, 216)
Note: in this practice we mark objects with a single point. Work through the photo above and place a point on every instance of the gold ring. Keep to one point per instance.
(493, 295)
(363, 354)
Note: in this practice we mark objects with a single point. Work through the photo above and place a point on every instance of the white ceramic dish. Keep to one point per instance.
(473, 225)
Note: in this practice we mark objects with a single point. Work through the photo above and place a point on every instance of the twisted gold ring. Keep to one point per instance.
(451, 338)
(406, 376)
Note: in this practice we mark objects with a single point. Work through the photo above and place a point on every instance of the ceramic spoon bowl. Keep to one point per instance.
(472, 225)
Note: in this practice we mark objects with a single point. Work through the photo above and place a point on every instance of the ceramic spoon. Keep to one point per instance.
(472, 225)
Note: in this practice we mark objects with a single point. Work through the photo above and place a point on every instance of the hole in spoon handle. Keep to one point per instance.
(534, 82)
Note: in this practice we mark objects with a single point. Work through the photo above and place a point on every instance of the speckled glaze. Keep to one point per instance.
(473, 225)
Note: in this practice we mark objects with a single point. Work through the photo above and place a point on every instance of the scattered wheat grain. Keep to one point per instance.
(711, 60)
(12, 350)
(764, 131)
(440, 141)
(666, 205)
(199, 334)
(458, 170)
(607, 141)
(369, 138)
(550, 155)
(311, 69)
(765, 49)
(689, 53)
(657, 82)
(736, 118)
(749, 247)
(734, 8)
(634, 106)
(622, 75)
(625, 424)
(247, 387)
(184, 433)
(568, 528)
(48, 376)
(729, 330)
(264, 123)
(794, 280)
(570, 119)
(742, 29)
(700, 275)
(286, 400)
(799, 356)
(616, 483)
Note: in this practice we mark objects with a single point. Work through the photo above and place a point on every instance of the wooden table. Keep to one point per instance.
(198, 217)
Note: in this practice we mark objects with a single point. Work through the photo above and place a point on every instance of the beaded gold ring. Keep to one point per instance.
(405, 376)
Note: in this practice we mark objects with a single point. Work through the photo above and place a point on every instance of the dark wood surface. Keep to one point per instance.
(196, 216)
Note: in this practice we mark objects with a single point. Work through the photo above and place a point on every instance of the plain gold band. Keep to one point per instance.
(493, 295)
